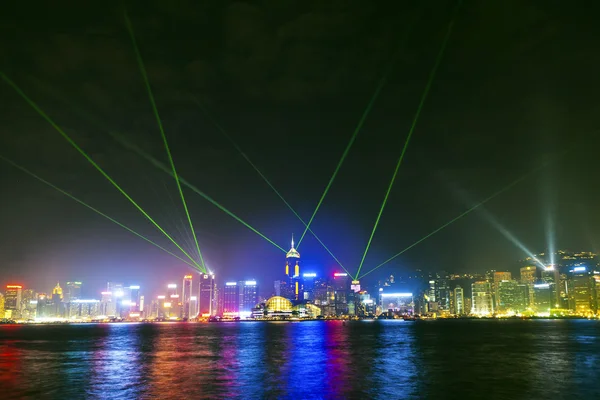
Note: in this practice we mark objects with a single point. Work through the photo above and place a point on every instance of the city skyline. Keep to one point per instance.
(521, 159)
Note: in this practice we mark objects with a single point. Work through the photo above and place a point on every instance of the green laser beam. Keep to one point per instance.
(93, 209)
(410, 133)
(165, 169)
(481, 203)
(91, 161)
(357, 129)
(142, 67)
(264, 178)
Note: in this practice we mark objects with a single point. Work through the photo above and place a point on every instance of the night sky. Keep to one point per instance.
(518, 85)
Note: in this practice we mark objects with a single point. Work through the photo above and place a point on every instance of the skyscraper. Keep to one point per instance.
(482, 298)
(248, 297)
(12, 301)
(292, 271)
(459, 301)
(206, 296)
(513, 297)
(583, 285)
(186, 295)
(529, 277)
(341, 287)
(72, 291)
(231, 294)
(499, 276)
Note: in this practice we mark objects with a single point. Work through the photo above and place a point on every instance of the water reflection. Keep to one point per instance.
(308, 360)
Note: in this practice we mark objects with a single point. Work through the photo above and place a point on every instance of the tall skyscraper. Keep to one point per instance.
(552, 275)
(482, 298)
(513, 297)
(186, 295)
(308, 285)
(583, 285)
(498, 277)
(206, 296)
(292, 271)
(248, 296)
(543, 297)
(529, 278)
(231, 294)
(72, 291)
(459, 300)
(341, 287)
(12, 301)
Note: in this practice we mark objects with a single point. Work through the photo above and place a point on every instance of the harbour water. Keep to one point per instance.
(444, 359)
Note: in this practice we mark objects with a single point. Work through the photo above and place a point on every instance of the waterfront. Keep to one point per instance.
(321, 359)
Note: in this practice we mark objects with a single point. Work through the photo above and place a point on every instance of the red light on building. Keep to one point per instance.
(14, 287)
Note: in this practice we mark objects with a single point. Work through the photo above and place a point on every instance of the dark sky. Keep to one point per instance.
(518, 84)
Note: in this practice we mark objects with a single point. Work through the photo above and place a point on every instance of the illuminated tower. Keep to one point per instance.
(292, 270)
(186, 296)
(12, 300)
(206, 296)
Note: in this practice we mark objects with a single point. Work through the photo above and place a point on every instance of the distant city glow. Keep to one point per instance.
(119, 293)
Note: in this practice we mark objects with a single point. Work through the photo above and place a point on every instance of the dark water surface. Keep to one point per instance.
(472, 359)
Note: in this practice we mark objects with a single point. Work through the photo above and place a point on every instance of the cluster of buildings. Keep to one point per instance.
(559, 284)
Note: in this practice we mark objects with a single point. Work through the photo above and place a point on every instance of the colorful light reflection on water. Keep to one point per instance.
(307, 360)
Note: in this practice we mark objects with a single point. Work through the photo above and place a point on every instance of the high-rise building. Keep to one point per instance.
(231, 294)
(292, 272)
(341, 287)
(459, 300)
(206, 296)
(582, 293)
(58, 305)
(513, 297)
(498, 277)
(552, 275)
(134, 299)
(186, 296)
(529, 278)
(107, 304)
(248, 297)
(544, 297)
(308, 285)
(72, 291)
(481, 293)
(1, 306)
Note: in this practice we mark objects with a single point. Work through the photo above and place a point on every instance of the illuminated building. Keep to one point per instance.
(400, 303)
(57, 296)
(543, 297)
(582, 287)
(248, 297)
(498, 277)
(440, 288)
(355, 286)
(529, 278)
(72, 291)
(28, 304)
(278, 306)
(324, 296)
(481, 294)
(206, 296)
(341, 287)
(107, 304)
(1, 306)
(186, 295)
(231, 296)
(459, 300)
(552, 275)
(84, 309)
(308, 285)
(513, 297)
(292, 271)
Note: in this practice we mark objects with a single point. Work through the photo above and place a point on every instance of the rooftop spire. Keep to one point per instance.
(292, 240)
